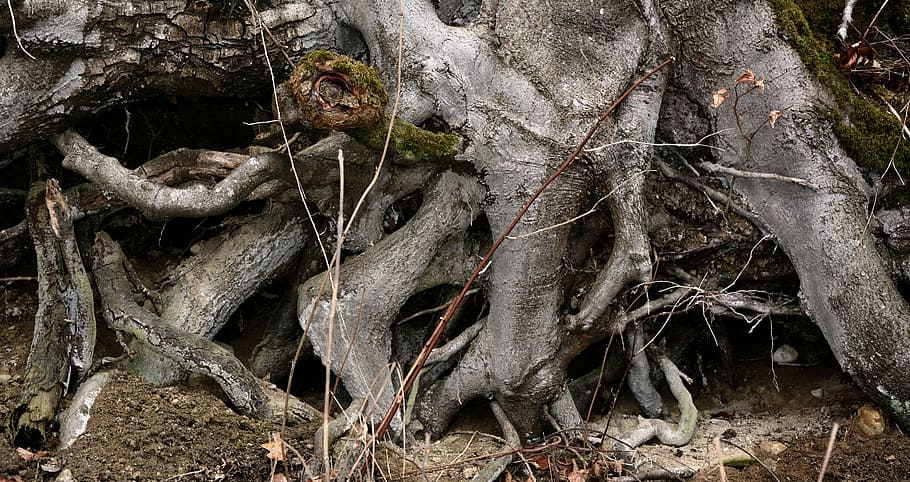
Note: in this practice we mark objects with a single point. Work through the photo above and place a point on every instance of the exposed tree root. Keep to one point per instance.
(389, 273)
(186, 349)
(640, 375)
(666, 433)
(493, 469)
(158, 201)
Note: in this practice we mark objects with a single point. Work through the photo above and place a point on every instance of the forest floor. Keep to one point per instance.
(187, 433)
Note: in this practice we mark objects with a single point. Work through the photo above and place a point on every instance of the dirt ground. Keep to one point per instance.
(141, 432)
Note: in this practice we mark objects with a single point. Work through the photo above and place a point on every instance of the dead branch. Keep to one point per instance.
(158, 201)
(191, 352)
(64, 337)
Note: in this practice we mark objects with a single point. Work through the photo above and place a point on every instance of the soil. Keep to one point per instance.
(142, 432)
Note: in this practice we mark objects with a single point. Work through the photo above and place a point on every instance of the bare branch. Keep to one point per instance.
(160, 201)
(710, 166)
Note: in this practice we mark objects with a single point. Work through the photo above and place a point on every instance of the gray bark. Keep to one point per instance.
(844, 284)
(91, 56)
(520, 83)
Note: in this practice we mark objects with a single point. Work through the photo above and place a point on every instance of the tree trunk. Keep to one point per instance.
(519, 83)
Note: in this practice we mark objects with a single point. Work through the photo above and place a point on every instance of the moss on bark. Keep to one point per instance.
(866, 130)
(337, 92)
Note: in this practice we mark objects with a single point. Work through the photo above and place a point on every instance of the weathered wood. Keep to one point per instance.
(64, 336)
(190, 351)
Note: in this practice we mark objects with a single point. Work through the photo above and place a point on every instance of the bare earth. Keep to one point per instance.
(187, 433)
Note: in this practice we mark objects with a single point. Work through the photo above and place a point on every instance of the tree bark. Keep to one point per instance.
(519, 83)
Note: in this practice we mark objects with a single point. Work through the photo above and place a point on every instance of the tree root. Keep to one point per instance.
(389, 273)
(640, 375)
(189, 351)
(667, 434)
(158, 201)
(492, 470)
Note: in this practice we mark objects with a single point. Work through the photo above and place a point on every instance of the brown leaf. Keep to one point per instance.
(772, 117)
(541, 461)
(275, 447)
(719, 97)
(748, 77)
(280, 478)
(577, 475)
(29, 456)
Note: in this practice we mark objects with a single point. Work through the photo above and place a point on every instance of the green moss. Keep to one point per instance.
(361, 113)
(410, 143)
(363, 75)
(866, 131)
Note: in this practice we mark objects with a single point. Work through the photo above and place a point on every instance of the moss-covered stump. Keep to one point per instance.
(335, 92)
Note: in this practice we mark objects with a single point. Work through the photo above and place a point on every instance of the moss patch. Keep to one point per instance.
(337, 92)
(865, 128)
(410, 143)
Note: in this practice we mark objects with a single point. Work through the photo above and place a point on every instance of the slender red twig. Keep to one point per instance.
(437, 333)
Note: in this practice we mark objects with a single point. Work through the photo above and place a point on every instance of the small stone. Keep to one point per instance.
(818, 393)
(65, 476)
(469, 472)
(5, 377)
(50, 465)
(785, 354)
(870, 420)
(772, 447)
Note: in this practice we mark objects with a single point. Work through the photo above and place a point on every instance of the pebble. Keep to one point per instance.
(5, 377)
(818, 393)
(65, 475)
(785, 354)
(772, 447)
(870, 420)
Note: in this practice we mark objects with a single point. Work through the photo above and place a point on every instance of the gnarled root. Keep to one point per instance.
(187, 350)
(387, 274)
(666, 433)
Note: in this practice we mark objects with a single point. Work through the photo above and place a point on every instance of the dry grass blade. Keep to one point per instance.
(828, 450)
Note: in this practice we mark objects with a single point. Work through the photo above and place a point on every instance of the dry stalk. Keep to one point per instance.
(828, 450)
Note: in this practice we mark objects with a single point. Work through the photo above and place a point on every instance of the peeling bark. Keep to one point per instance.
(64, 337)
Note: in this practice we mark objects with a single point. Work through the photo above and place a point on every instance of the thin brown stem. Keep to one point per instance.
(828, 450)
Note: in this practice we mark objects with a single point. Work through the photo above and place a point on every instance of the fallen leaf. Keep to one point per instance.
(275, 447)
(577, 475)
(280, 478)
(748, 77)
(541, 462)
(29, 456)
(719, 97)
(772, 117)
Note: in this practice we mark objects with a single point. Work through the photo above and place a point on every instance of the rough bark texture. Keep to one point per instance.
(520, 82)
(844, 284)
